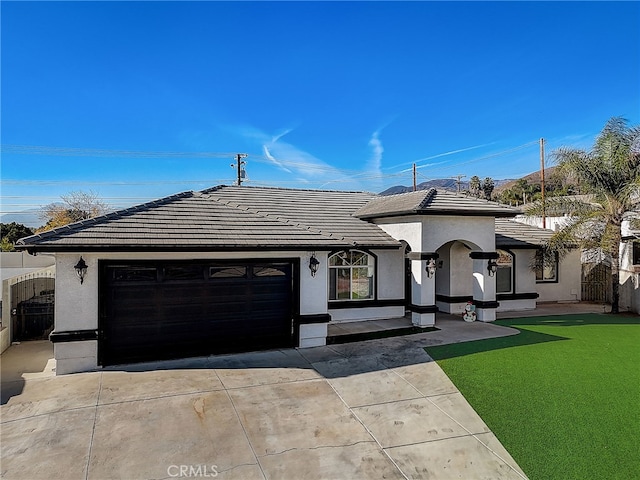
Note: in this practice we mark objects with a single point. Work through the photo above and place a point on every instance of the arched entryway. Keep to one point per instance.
(454, 279)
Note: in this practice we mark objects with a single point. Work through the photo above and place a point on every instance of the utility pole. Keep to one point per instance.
(458, 182)
(415, 185)
(544, 217)
(239, 163)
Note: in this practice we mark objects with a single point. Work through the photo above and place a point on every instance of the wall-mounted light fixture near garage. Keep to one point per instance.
(492, 267)
(313, 264)
(431, 267)
(81, 269)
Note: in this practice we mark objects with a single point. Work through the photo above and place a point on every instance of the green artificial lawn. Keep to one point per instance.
(563, 396)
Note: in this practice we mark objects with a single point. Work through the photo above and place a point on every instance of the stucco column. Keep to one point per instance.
(484, 286)
(75, 335)
(423, 291)
(312, 322)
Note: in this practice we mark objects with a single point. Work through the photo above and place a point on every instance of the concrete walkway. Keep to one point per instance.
(366, 410)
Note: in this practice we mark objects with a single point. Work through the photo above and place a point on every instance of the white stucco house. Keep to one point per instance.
(239, 268)
(630, 268)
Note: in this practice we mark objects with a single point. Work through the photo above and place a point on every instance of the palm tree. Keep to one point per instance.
(475, 185)
(609, 175)
(487, 187)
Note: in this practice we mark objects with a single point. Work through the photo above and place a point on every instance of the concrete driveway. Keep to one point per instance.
(367, 410)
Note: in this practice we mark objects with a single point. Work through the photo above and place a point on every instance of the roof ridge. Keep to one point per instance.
(110, 215)
(427, 198)
(220, 187)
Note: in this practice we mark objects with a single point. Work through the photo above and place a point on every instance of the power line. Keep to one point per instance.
(493, 155)
(350, 175)
(98, 152)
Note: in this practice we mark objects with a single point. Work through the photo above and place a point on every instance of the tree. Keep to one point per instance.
(487, 187)
(475, 186)
(76, 206)
(510, 197)
(610, 175)
(12, 232)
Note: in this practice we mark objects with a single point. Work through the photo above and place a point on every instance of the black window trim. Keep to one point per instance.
(557, 262)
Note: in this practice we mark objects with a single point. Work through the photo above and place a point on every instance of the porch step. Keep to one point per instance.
(372, 329)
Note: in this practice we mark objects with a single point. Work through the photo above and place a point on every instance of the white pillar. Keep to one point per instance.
(423, 293)
(484, 286)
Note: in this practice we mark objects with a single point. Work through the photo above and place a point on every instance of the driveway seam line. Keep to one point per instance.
(71, 409)
(275, 383)
(387, 402)
(169, 395)
(93, 430)
(315, 448)
(473, 434)
(368, 431)
(235, 410)
(400, 445)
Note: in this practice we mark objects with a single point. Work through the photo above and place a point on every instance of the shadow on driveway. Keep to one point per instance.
(21, 361)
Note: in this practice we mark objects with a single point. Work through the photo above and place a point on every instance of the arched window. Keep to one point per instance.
(351, 275)
(504, 274)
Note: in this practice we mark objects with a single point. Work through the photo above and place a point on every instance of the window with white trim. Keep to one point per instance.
(351, 275)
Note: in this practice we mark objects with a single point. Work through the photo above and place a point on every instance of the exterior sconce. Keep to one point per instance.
(313, 264)
(81, 269)
(431, 267)
(492, 267)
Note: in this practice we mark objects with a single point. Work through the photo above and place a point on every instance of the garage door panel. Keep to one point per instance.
(171, 310)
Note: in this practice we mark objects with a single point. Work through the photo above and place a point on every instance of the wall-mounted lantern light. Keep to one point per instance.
(81, 269)
(313, 264)
(492, 267)
(431, 267)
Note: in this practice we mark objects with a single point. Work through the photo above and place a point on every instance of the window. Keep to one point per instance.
(183, 272)
(504, 273)
(270, 271)
(135, 274)
(228, 272)
(351, 276)
(635, 253)
(546, 267)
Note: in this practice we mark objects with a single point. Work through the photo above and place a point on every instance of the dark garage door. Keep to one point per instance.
(160, 310)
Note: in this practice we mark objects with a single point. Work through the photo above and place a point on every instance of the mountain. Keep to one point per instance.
(532, 179)
(442, 183)
(29, 218)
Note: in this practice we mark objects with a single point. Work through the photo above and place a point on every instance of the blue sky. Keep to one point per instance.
(319, 94)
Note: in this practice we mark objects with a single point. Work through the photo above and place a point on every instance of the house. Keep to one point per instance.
(239, 268)
(630, 268)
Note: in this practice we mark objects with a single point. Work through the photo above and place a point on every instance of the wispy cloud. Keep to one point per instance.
(374, 165)
(302, 166)
(267, 154)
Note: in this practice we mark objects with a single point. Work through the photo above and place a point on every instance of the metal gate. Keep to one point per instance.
(596, 282)
(32, 307)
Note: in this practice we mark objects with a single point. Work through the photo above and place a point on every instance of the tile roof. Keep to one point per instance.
(432, 202)
(225, 218)
(512, 234)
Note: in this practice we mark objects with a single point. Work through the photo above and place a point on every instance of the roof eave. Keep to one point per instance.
(440, 212)
(199, 248)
